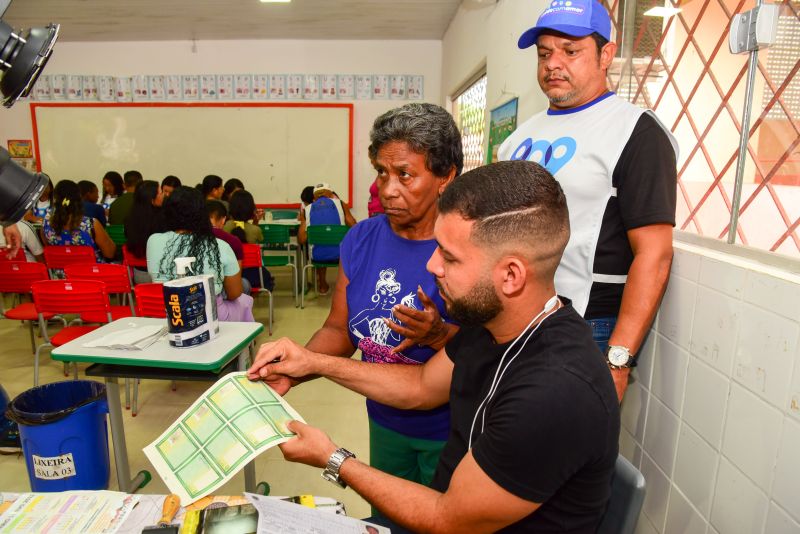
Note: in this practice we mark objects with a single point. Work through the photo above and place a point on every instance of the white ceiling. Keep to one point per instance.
(157, 20)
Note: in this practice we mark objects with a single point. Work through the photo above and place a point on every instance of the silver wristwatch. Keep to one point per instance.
(619, 357)
(331, 472)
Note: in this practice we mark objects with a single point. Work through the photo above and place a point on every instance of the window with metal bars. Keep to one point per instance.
(682, 69)
(469, 112)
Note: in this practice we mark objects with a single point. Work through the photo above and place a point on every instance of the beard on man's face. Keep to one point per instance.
(479, 306)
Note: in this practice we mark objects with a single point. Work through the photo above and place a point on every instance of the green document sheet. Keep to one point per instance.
(234, 421)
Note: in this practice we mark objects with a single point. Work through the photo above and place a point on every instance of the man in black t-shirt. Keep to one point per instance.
(617, 165)
(535, 418)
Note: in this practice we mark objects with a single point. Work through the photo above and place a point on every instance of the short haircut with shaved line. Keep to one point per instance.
(518, 208)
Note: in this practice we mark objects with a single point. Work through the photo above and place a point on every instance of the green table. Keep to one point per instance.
(229, 351)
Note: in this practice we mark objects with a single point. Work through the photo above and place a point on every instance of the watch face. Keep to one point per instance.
(618, 356)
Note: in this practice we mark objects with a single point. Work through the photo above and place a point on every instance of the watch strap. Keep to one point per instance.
(331, 471)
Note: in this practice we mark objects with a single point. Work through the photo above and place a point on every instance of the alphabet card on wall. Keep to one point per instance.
(208, 87)
(225, 86)
(140, 89)
(364, 87)
(328, 86)
(74, 87)
(105, 88)
(191, 87)
(122, 89)
(260, 86)
(346, 86)
(172, 87)
(380, 86)
(156, 84)
(311, 87)
(397, 87)
(277, 86)
(89, 88)
(415, 87)
(243, 86)
(58, 85)
(294, 85)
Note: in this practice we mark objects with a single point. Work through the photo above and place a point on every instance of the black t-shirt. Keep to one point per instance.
(551, 429)
(646, 180)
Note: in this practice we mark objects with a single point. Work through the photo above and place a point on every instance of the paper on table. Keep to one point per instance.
(234, 421)
(88, 512)
(275, 515)
(134, 338)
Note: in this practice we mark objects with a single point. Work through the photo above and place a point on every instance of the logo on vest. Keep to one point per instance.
(551, 156)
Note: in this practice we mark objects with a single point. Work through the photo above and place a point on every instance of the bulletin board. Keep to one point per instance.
(276, 149)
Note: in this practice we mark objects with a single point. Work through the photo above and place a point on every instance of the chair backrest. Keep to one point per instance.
(284, 214)
(17, 276)
(117, 233)
(150, 300)
(59, 256)
(19, 256)
(113, 275)
(275, 234)
(252, 255)
(71, 296)
(627, 497)
(326, 234)
(132, 261)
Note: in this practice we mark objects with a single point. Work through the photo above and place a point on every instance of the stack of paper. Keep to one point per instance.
(134, 338)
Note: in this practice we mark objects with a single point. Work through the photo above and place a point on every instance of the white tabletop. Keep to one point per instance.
(212, 355)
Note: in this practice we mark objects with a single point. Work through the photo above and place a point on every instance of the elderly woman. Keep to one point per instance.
(385, 302)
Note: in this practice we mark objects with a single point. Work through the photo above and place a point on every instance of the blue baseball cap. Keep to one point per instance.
(577, 18)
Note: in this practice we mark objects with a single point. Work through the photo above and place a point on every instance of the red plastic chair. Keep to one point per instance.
(252, 258)
(130, 261)
(63, 297)
(117, 283)
(19, 256)
(59, 256)
(16, 278)
(150, 300)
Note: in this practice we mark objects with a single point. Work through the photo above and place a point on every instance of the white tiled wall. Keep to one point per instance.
(713, 417)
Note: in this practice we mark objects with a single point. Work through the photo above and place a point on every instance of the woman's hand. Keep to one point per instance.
(420, 327)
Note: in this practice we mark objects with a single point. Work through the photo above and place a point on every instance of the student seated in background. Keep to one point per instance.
(242, 211)
(189, 233)
(121, 207)
(144, 220)
(37, 212)
(212, 188)
(217, 214)
(169, 184)
(90, 195)
(113, 188)
(325, 209)
(66, 224)
(31, 244)
(231, 186)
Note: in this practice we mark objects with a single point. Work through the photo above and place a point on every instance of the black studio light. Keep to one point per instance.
(23, 55)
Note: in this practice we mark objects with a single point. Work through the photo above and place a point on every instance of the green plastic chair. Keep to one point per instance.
(117, 233)
(321, 234)
(278, 251)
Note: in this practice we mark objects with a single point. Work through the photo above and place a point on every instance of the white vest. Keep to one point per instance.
(580, 147)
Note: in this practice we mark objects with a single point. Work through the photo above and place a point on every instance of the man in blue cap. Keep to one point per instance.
(617, 165)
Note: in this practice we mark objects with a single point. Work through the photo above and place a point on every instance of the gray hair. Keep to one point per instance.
(427, 129)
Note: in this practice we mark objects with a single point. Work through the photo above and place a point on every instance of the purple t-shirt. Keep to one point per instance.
(232, 240)
(385, 269)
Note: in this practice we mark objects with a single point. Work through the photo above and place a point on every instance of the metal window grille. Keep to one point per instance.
(696, 88)
(470, 114)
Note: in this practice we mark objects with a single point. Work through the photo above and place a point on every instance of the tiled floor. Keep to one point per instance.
(322, 403)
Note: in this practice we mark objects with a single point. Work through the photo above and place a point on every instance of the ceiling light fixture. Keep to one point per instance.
(22, 58)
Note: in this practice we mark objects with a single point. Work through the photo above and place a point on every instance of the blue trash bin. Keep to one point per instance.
(64, 435)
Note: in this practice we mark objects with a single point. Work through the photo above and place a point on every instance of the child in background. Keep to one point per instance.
(112, 188)
(231, 186)
(37, 213)
(217, 214)
(242, 212)
(90, 195)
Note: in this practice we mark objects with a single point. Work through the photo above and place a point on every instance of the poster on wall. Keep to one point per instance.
(311, 87)
(502, 123)
(397, 87)
(140, 88)
(380, 86)
(156, 84)
(328, 84)
(294, 85)
(89, 88)
(364, 87)
(260, 86)
(191, 87)
(415, 87)
(346, 86)
(20, 148)
(277, 86)
(172, 83)
(225, 86)
(243, 86)
(58, 83)
(74, 87)
(122, 89)
(105, 88)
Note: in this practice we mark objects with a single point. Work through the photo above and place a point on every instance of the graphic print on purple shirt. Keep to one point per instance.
(384, 270)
